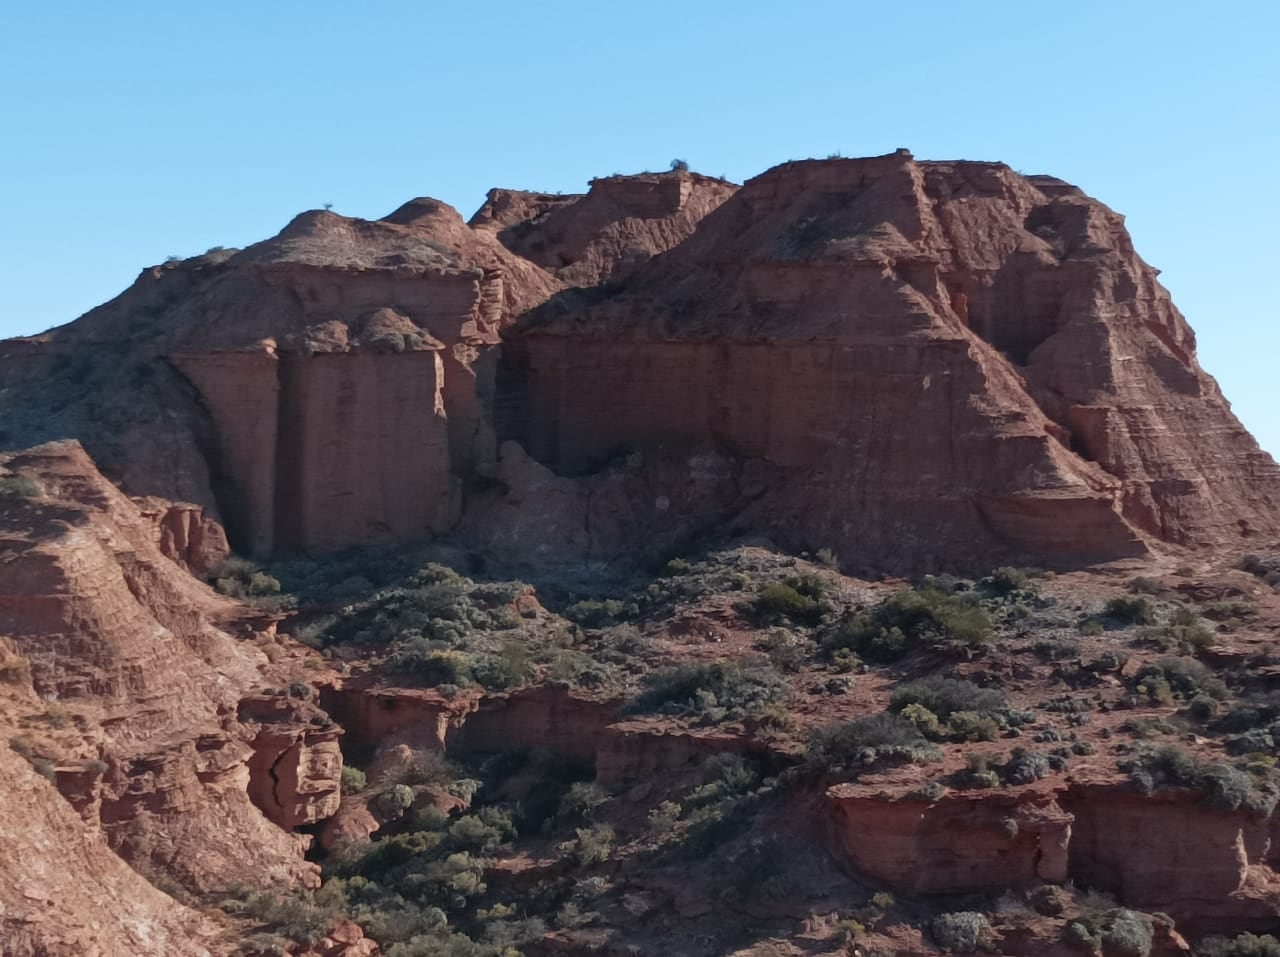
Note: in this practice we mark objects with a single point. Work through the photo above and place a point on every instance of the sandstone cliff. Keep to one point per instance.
(921, 364)
(934, 362)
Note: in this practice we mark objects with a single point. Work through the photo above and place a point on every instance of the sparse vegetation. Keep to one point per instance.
(1223, 786)
(714, 692)
(853, 746)
(18, 486)
(962, 932)
(1244, 945)
(1130, 610)
(928, 617)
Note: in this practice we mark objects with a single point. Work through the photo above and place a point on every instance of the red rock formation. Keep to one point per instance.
(633, 751)
(295, 773)
(1169, 851)
(126, 641)
(961, 843)
(937, 362)
(602, 236)
(1172, 852)
(63, 893)
(186, 533)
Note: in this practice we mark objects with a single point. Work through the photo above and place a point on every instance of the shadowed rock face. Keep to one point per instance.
(925, 365)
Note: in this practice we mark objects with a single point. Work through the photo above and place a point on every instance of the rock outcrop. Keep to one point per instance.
(1211, 869)
(933, 363)
(922, 364)
(133, 683)
(63, 893)
(606, 233)
(962, 843)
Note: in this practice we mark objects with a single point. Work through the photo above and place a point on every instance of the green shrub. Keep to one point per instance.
(1006, 580)
(797, 599)
(963, 932)
(581, 801)
(1244, 945)
(591, 845)
(18, 486)
(1227, 611)
(854, 745)
(712, 692)
(393, 802)
(1127, 933)
(1131, 610)
(353, 780)
(1169, 678)
(945, 696)
(1222, 786)
(596, 614)
(915, 619)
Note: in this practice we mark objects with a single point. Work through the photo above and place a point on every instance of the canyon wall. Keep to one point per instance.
(946, 361)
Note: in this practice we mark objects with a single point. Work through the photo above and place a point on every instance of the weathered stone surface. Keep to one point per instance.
(63, 893)
(130, 645)
(944, 361)
(962, 843)
(603, 235)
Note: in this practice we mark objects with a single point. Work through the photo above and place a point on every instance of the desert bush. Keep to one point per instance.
(296, 917)
(797, 598)
(1146, 586)
(1127, 933)
(1130, 610)
(915, 619)
(1169, 678)
(353, 780)
(1024, 767)
(663, 818)
(962, 932)
(581, 801)
(1006, 580)
(18, 486)
(592, 613)
(1243, 945)
(1266, 567)
(945, 696)
(717, 691)
(854, 745)
(1228, 611)
(1222, 786)
(1057, 649)
(591, 845)
(393, 802)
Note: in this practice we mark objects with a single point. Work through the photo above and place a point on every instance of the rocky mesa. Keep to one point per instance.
(853, 561)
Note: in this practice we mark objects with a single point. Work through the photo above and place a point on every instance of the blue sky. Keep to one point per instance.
(136, 130)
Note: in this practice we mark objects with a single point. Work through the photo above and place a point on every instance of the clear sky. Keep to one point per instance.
(135, 130)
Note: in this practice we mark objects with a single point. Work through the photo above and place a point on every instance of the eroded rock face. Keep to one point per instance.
(605, 234)
(931, 365)
(1169, 850)
(130, 647)
(295, 773)
(187, 533)
(943, 360)
(962, 843)
(63, 893)
(1211, 869)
